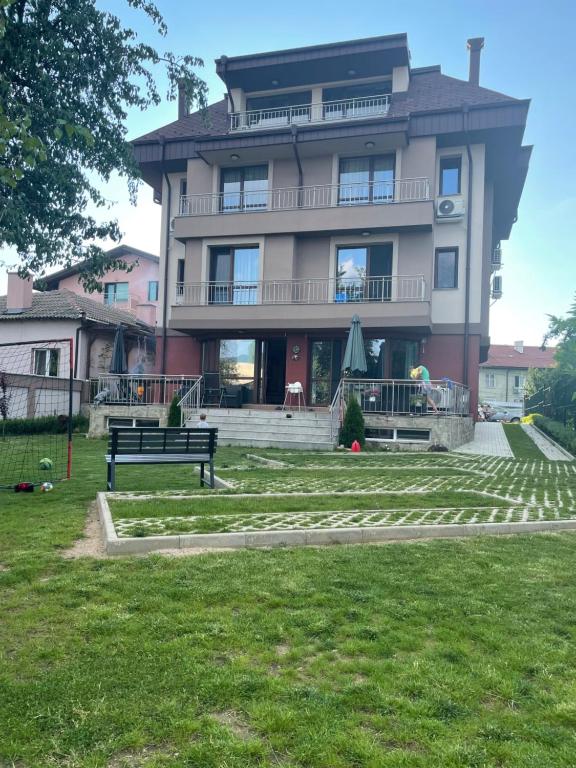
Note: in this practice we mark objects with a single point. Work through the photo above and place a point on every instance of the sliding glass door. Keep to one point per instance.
(234, 274)
(364, 273)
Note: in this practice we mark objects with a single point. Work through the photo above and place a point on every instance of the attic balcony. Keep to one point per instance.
(395, 301)
(310, 114)
(379, 205)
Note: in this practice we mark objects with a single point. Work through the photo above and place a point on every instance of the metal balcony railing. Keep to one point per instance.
(316, 196)
(403, 397)
(397, 288)
(144, 389)
(303, 114)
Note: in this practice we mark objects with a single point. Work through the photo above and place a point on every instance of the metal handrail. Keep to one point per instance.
(336, 414)
(190, 403)
(340, 290)
(408, 396)
(409, 190)
(317, 112)
(133, 389)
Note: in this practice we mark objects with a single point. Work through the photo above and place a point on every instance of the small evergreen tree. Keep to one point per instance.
(353, 425)
(175, 413)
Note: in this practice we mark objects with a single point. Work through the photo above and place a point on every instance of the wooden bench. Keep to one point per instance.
(158, 445)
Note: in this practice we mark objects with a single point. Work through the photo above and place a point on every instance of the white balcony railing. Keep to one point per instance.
(304, 114)
(317, 196)
(397, 288)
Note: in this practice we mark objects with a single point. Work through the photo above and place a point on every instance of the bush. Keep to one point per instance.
(353, 427)
(175, 413)
(564, 436)
(43, 425)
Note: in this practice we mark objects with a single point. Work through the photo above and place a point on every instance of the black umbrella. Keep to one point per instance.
(119, 363)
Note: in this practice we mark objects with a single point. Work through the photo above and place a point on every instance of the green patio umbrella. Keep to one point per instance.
(118, 363)
(355, 355)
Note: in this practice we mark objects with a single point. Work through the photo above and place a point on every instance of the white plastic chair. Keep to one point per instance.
(295, 389)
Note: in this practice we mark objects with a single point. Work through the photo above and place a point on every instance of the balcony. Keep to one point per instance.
(310, 114)
(400, 300)
(385, 204)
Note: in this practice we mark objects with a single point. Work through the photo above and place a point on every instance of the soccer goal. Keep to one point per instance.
(37, 404)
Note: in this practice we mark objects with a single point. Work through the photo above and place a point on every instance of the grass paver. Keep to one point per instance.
(446, 653)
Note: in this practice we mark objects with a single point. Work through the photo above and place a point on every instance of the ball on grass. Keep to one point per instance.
(45, 463)
(45, 487)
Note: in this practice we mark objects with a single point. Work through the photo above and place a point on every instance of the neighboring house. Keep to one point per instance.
(135, 291)
(36, 318)
(333, 180)
(503, 374)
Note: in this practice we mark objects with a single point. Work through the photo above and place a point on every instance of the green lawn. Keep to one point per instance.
(451, 654)
(523, 447)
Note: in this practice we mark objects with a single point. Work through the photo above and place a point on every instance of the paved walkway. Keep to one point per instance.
(489, 440)
(548, 448)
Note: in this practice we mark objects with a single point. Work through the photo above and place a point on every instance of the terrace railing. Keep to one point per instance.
(141, 389)
(395, 288)
(315, 196)
(303, 114)
(190, 403)
(406, 397)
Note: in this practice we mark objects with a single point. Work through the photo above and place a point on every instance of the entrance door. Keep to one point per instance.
(274, 364)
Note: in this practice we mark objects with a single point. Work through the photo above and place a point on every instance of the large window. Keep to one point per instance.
(244, 189)
(364, 273)
(326, 360)
(114, 292)
(234, 275)
(153, 290)
(366, 180)
(45, 362)
(446, 268)
(450, 175)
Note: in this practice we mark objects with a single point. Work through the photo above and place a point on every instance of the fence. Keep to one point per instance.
(556, 401)
(144, 389)
(403, 397)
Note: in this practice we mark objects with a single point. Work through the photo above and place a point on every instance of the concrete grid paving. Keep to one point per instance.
(547, 447)
(489, 440)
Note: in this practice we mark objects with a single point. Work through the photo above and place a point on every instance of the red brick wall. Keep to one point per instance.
(443, 356)
(183, 355)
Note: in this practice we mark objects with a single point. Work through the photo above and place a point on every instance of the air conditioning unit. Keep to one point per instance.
(496, 261)
(497, 287)
(449, 209)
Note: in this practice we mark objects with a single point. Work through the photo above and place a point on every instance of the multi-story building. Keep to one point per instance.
(330, 181)
(503, 374)
(134, 291)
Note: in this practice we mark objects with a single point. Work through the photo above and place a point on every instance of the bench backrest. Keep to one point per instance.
(156, 440)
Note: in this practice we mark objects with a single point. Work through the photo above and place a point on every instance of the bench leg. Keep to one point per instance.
(211, 474)
(201, 474)
(111, 475)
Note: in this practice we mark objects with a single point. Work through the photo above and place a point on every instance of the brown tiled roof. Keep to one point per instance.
(505, 356)
(65, 305)
(429, 91)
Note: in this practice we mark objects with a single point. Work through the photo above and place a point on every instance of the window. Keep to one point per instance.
(153, 289)
(519, 382)
(180, 277)
(244, 189)
(46, 362)
(183, 187)
(366, 180)
(364, 273)
(114, 292)
(450, 173)
(446, 268)
(234, 274)
(490, 380)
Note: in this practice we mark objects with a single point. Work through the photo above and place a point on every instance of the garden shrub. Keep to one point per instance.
(353, 427)
(42, 425)
(174, 413)
(564, 436)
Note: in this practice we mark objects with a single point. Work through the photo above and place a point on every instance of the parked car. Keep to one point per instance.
(503, 416)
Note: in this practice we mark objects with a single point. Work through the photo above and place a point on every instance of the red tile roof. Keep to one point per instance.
(505, 356)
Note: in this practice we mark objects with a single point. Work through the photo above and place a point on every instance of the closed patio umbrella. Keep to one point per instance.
(119, 363)
(355, 354)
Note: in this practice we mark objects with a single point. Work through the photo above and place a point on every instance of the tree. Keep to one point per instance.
(353, 425)
(564, 328)
(68, 74)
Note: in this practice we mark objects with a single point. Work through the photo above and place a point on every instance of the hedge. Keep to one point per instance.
(564, 436)
(42, 425)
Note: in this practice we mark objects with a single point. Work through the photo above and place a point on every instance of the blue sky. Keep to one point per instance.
(529, 53)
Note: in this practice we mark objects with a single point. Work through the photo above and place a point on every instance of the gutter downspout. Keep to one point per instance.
(466, 351)
(294, 129)
(166, 250)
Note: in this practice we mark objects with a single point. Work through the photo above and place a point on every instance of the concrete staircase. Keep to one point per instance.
(259, 428)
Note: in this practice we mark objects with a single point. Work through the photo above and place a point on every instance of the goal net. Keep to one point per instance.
(37, 403)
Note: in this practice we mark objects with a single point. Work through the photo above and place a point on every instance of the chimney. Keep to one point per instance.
(519, 346)
(475, 45)
(182, 101)
(19, 296)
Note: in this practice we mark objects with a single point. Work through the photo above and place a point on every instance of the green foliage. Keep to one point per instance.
(564, 436)
(353, 426)
(43, 425)
(564, 329)
(174, 413)
(69, 73)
